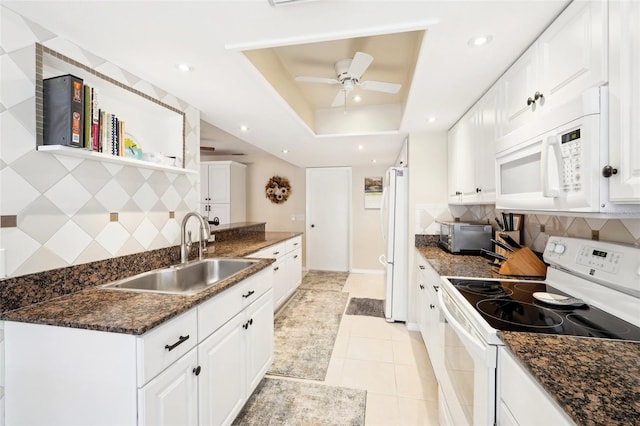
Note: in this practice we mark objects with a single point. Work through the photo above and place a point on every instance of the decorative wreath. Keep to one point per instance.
(278, 189)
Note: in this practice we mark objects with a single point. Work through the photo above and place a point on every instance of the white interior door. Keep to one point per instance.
(329, 218)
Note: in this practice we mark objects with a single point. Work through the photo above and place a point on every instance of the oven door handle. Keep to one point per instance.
(472, 343)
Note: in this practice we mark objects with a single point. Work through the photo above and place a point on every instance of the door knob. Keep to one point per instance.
(608, 171)
(312, 225)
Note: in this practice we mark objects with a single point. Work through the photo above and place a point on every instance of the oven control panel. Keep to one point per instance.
(595, 257)
(599, 261)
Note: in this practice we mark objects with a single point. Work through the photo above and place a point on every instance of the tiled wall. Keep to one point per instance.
(58, 210)
(538, 227)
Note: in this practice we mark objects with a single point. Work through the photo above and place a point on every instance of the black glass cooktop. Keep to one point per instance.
(510, 306)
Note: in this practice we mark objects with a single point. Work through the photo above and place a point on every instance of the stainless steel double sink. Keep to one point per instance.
(184, 279)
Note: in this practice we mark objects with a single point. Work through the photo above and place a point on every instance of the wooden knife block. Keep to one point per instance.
(523, 262)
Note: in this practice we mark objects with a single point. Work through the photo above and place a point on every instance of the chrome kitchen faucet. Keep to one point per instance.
(205, 232)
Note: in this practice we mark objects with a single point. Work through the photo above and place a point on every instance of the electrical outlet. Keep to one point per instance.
(541, 227)
(595, 235)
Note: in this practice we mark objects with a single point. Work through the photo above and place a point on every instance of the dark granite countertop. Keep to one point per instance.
(458, 265)
(595, 381)
(135, 312)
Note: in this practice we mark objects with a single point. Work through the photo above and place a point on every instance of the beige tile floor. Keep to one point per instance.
(385, 359)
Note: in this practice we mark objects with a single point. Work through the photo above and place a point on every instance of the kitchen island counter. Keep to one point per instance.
(595, 381)
(135, 313)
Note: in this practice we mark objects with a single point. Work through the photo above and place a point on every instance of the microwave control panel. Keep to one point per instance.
(570, 149)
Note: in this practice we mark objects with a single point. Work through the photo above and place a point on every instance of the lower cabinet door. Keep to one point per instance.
(222, 386)
(171, 398)
(280, 282)
(295, 269)
(260, 339)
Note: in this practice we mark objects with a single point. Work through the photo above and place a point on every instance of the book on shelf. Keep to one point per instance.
(62, 99)
(86, 139)
(95, 121)
(73, 117)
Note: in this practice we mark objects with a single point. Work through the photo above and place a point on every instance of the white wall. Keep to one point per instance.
(63, 205)
(367, 235)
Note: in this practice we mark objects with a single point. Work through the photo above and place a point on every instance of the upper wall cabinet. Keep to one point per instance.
(403, 156)
(156, 128)
(223, 191)
(624, 100)
(471, 155)
(568, 58)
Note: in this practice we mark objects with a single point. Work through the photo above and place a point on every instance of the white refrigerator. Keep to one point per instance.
(395, 233)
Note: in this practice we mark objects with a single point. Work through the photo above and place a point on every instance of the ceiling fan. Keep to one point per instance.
(348, 74)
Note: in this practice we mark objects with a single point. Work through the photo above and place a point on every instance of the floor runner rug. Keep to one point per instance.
(364, 306)
(304, 333)
(289, 402)
(324, 280)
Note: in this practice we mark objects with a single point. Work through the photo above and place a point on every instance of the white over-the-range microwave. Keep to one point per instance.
(556, 163)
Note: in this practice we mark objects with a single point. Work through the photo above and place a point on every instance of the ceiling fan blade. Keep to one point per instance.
(339, 100)
(359, 64)
(317, 80)
(380, 86)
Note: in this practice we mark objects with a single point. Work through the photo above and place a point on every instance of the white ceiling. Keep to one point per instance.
(148, 38)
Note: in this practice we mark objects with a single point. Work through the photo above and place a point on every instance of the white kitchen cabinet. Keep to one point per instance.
(259, 340)
(234, 359)
(428, 312)
(223, 191)
(172, 397)
(537, 408)
(461, 173)
(287, 268)
(568, 58)
(624, 100)
(161, 377)
(471, 157)
(222, 363)
(403, 155)
(518, 84)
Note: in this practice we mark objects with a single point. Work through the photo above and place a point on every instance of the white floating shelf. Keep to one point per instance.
(107, 158)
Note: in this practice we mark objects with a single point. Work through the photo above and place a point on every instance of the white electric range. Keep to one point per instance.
(592, 289)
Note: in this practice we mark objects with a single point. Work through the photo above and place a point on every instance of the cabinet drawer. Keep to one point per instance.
(163, 345)
(293, 244)
(272, 252)
(216, 312)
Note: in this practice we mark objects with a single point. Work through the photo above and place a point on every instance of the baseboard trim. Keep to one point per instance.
(368, 271)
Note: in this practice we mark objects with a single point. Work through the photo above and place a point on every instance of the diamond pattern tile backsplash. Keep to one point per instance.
(65, 206)
(537, 227)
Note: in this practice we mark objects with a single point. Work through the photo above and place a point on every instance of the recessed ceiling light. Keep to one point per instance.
(357, 98)
(360, 147)
(285, 151)
(374, 161)
(431, 119)
(184, 67)
(480, 40)
(244, 128)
